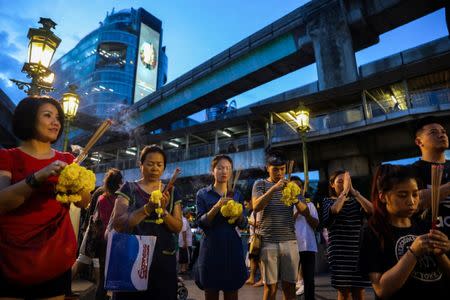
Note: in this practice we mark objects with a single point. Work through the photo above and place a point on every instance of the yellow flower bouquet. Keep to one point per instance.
(290, 194)
(74, 180)
(232, 210)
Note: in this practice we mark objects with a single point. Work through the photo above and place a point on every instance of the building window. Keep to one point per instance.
(111, 55)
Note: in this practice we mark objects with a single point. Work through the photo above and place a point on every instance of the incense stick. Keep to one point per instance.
(236, 178)
(172, 179)
(436, 177)
(290, 169)
(97, 135)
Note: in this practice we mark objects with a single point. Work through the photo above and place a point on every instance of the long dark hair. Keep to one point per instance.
(386, 178)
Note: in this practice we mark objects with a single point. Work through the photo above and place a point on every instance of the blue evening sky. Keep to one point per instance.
(193, 31)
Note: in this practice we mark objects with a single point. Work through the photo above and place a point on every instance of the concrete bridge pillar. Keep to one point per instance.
(361, 169)
(323, 174)
(358, 166)
(333, 47)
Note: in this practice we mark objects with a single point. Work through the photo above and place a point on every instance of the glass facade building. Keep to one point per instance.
(103, 64)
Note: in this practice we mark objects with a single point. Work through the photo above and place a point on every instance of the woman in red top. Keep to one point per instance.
(37, 241)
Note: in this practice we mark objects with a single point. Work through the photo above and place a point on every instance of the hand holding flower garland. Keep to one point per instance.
(290, 194)
(156, 198)
(232, 210)
(72, 182)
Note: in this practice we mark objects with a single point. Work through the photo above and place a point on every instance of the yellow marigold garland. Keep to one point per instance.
(232, 210)
(74, 180)
(290, 194)
(156, 197)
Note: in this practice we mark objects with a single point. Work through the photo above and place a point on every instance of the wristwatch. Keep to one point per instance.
(32, 181)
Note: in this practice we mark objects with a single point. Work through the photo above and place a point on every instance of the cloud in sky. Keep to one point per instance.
(10, 67)
(193, 31)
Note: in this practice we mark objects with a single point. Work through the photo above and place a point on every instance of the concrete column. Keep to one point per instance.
(216, 143)
(374, 162)
(138, 152)
(333, 47)
(323, 174)
(406, 91)
(249, 136)
(356, 165)
(367, 109)
(117, 158)
(266, 134)
(270, 129)
(186, 153)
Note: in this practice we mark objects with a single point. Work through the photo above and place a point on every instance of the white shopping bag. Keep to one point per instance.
(128, 260)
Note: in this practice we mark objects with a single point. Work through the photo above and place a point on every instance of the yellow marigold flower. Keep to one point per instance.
(87, 179)
(74, 179)
(74, 198)
(62, 198)
(159, 221)
(231, 210)
(231, 220)
(156, 196)
(159, 211)
(290, 194)
(61, 188)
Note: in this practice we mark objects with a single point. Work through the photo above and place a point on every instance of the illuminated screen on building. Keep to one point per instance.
(147, 63)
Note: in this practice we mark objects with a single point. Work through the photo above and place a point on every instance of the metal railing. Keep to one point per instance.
(435, 99)
(281, 132)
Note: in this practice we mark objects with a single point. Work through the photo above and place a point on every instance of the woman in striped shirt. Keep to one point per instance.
(343, 213)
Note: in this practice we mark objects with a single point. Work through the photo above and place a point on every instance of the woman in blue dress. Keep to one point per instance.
(221, 263)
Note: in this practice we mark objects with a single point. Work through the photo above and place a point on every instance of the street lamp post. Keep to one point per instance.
(302, 120)
(69, 103)
(41, 48)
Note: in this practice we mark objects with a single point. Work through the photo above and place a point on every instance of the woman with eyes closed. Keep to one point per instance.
(402, 257)
(135, 213)
(221, 264)
(343, 214)
(37, 240)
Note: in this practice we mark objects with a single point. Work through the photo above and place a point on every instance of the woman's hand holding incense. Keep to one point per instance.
(165, 199)
(439, 241)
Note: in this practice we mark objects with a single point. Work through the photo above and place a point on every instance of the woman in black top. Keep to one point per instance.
(134, 212)
(403, 258)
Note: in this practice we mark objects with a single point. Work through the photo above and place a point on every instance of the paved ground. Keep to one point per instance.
(323, 290)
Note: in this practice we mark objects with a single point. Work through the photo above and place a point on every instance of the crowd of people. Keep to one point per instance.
(385, 241)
